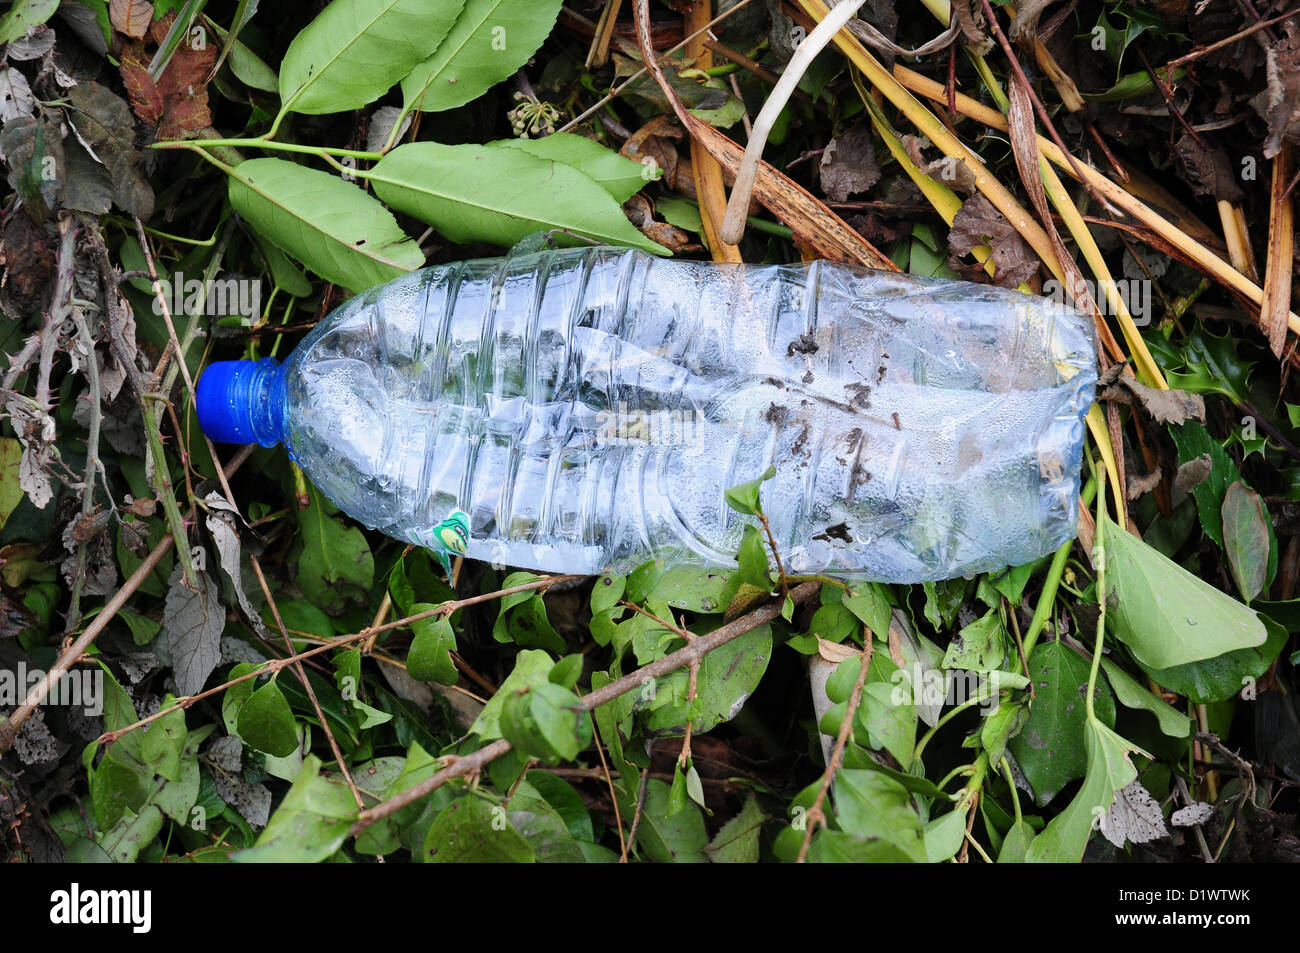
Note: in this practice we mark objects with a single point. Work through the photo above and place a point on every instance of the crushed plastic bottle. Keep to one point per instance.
(584, 410)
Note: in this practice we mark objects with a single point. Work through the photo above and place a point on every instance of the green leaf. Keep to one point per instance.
(1048, 747)
(531, 668)
(870, 603)
(234, 697)
(887, 725)
(470, 830)
(266, 722)
(980, 646)
(737, 841)
(331, 226)
(664, 836)
(744, 497)
(1193, 441)
(619, 176)
(311, 823)
(944, 836)
(1016, 844)
(870, 805)
(24, 15)
(1220, 678)
(1246, 539)
(546, 722)
(727, 677)
(474, 193)
(679, 212)
(164, 741)
(335, 560)
(132, 834)
(354, 52)
(541, 825)
(489, 41)
(429, 658)
(1064, 839)
(1132, 694)
(1164, 614)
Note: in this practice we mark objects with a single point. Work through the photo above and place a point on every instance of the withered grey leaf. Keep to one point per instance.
(38, 42)
(252, 801)
(104, 121)
(1134, 816)
(192, 622)
(1165, 406)
(221, 524)
(1192, 814)
(848, 164)
(16, 97)
(1193, 472)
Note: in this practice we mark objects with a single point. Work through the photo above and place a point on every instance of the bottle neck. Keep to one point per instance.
(265, 402)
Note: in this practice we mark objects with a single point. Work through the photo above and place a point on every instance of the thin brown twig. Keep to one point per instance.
(815, 814)
(697, 649)
(1226, 41)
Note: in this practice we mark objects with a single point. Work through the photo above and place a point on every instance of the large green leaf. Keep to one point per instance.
(356, 50)
(474, 193)
(470, 830)
(1246, 539)
(1164, 614)
(1218, 679)
(335, 559)
(1109, 771)
(489, 42)
(331, 226)
(266, 723)
(620, 177)
(1048, 748)
(309, 825)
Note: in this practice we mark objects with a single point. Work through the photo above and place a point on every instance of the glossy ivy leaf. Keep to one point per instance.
(429, 658)
(331, 226)
(1109, 770)
(354, 52)
(1164, 614)
(472, 830)
(1246, 539)
(475, 193)
(266, 722)
(620, 177)
(744, 497)
(310, 824)
(490, 40)
(1048, 748)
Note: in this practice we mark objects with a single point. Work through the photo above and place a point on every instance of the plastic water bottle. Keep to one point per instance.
(583, 410)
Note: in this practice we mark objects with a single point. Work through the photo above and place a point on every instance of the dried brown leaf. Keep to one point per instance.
(141, 90)
(848, 164)
(1165, 406)
(979, 223)
(130, 17)
(1209, 173)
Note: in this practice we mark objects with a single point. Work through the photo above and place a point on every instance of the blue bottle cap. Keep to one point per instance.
(239, 402)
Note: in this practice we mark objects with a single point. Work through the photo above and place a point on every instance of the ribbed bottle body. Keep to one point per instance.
(589, 408)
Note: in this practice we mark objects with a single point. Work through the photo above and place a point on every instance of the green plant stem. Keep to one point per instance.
(261, 142)
(1099, 562)
(1047, 598)
(1011, 783)
(925, 739)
